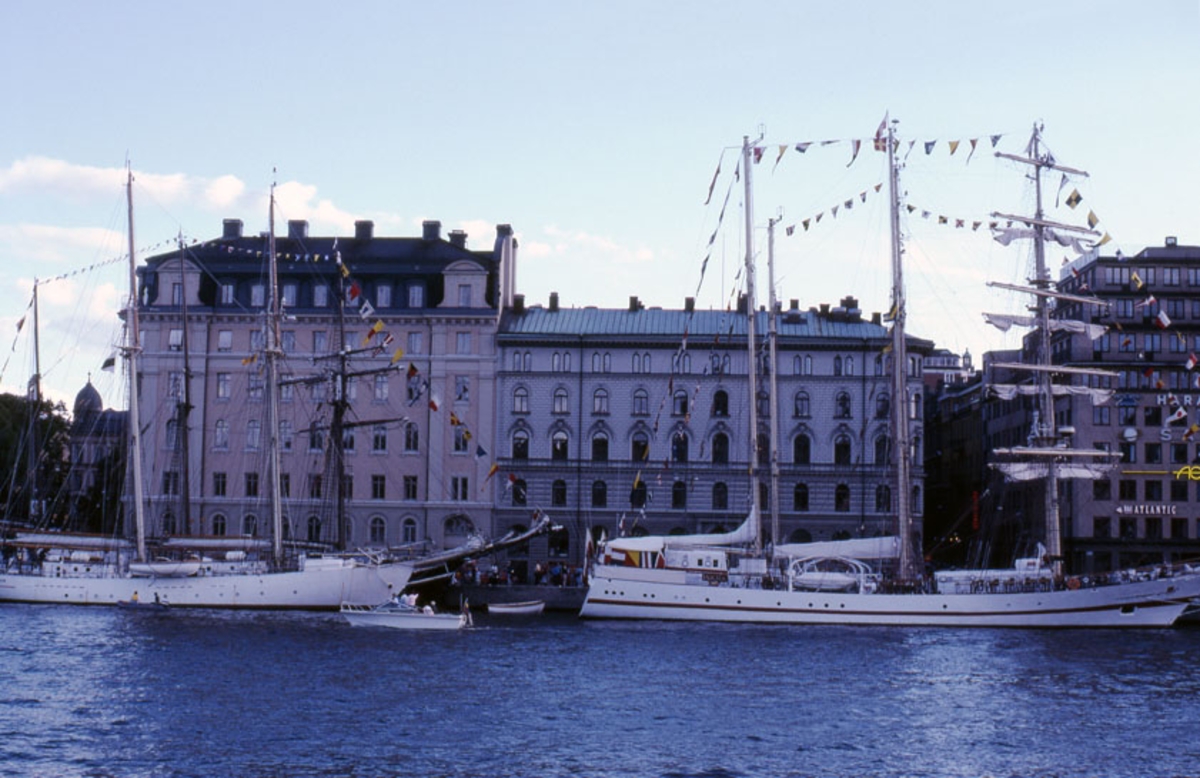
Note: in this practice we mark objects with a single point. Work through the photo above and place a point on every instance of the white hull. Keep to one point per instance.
(1155, 603)
(402, 619)
(531, 608)
(323, 584)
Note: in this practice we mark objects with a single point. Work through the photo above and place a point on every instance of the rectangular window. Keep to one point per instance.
(320, 341)
(226, 294)
(257, 340)
(1153, 491)
(383, 295)
(378, 487)
(1179, 529)
(255, 387)
(379, 438)
(219, 480)
(463, 343)
(170, 482)
(1100, 415)
(175, 340)
(1170, 276)
(459, 488)
(381, 387)
(464, 295)
(1179, 491)
(288, 341)
(222, 386)
(314, 487)
(251, 484)
(1128, 489)
(320, 296)
(462, 389)
(416, 296)
(258, 295)
(410, 487)
(412, 437)
(225, 340)
(1102, 489)
(289, 294)
(285, 484)
(1101, 527)
(415, 343)
(462, 439)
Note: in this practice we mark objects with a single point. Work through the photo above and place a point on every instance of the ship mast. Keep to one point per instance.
(34, 395)
(899, 374)
(184, 407)
(750, 344)
(132, 348)
(272, 354)
(772, 338)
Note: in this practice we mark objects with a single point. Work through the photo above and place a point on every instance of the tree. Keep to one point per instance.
(50, 447)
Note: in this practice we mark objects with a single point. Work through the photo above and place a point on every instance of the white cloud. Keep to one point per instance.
(35, 244)
(224, 192)
(595, 245)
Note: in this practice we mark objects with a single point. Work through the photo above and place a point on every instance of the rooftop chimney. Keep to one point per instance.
(1172, 241)
(633, 303)
(824, 309)
(431, 230)
(458, 238)
(519, 303)
(364, 230)
(297, 229)
(233, 229)
(794, 305)
(689, 304)
(554, 301)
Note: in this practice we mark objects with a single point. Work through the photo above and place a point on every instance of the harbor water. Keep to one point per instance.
(108, 692)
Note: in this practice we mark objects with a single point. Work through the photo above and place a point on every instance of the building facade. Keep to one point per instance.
(381, 342)
(636, 421)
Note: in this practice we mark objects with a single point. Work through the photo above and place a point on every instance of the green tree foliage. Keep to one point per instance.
(50, 447)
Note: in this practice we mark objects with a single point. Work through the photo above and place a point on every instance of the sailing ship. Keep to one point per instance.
(237, 572)
(877, 581)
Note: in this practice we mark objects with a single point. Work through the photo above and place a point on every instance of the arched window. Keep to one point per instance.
(801, 405)
(841, 450)
(172, 433)
(720, 449)
(841, 498)
(600, 447)
(837, 365)
(599, 494)
(679, 495)
(559, 446)
(412, 437)
(408, 531)
(558, 493)
(916, 450)
(555, 362)
(253, 434)
(378, 531)
(916, 405)
(641, 402)
(528, 362)
(720, 496)
(314, 529)
(800, 497)
(883, 498)
(516, 362)
(639, 448)
(882, 406)
(637, 496)
(520, 400)
(879, 364)
(520, 445)
(250, 526)
(218, 525)
(679, 447)
(916, 500)
(518, 492)
(802, 450)
(842, 406)
(221, 435)
(679, 403)
(600, 401)
(849, 366)
(558, 542)
(561, 401)
(763, 444)
(720, 403)
(595, 361)
(882, 445)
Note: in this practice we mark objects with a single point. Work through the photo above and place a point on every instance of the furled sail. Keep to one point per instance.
(1007, 235)
(1033, 471)
(1009, 391)
(1004, 321)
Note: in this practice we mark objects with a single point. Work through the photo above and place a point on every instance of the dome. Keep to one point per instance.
(88, 401)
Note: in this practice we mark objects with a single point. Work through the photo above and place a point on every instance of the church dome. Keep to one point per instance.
(88, 401)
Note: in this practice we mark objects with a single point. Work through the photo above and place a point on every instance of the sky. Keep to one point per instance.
(594, 129)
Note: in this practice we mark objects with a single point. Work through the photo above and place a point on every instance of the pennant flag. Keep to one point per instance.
(713, 183)
(434, 402)
(375, 330)
(398, 355)
(1192, 361)
(758, 153)
(1161, 321)
(1106, 239)
(20, 323)
(802, 147)
(454, 421)
(1192, 430)
(109, 364)
(1151, 300)
(355, 291)
(1074, 198)
(929, 144)
(974, 143)
(1093, 219)
(250, 360)
(1136, 279)
(881, 135)
(480, 453)
(855, 145)
(366, 310)
(782, 149)
(1181, 413)
(953, 147)
(412, 371)
(1148, 372)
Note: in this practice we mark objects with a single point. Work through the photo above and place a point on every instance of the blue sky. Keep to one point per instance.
(593, 128)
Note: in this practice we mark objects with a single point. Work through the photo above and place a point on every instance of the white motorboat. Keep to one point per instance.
(403, 613)
(526, 608)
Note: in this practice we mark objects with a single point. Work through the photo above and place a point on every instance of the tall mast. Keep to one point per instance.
(132, 349)
(184, 407)
(272, 359)
(899, 375)
(337, 423)
(1047, 433)
(34, 395)
(750, 341)
(772, 338)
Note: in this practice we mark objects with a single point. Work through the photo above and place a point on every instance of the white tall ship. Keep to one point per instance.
(875, 581)
(212, 572)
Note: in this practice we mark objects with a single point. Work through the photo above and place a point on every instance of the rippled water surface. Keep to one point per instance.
(102, 692)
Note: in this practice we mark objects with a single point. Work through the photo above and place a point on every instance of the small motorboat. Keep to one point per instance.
(401, 612)
(136, 604)
(527, 608)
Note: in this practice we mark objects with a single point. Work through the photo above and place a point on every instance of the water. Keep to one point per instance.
(106, 692)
